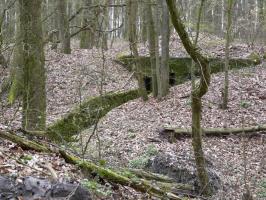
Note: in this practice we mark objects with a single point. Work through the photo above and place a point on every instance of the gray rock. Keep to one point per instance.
(182, 168)
(7, 188)
(32, 188)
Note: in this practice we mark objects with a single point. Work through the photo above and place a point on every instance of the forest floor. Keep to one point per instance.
(130, 130)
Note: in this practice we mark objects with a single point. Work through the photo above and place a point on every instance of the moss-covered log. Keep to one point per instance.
(24, 143)
(181, 66)
(150, 176)
(160, 189)
(213, 132)
(86, 114)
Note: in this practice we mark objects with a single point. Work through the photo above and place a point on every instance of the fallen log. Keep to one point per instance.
(155, 188)
(216, 132)
(24, 143)
(160, 186)
(86, 114)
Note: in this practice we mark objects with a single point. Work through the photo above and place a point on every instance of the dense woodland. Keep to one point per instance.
(133, 99)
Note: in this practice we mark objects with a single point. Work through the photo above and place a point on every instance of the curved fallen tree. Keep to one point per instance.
(213, 132)
(86, 114)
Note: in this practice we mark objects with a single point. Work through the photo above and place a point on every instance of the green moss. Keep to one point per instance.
(87, 114)
(25, 158)
(96, 188)
(264, 56)
(255, 57)
(244, 104)
(142, 161)
(151, 150)
(139, 163)
(262, 190)
(181, 66)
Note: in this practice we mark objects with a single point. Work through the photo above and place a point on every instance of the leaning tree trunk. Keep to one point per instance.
(34, 94)
(132, 7)
(197, 94)
(227, 43)
(64, 34)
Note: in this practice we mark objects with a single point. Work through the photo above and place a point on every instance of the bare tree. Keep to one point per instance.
(199, 91)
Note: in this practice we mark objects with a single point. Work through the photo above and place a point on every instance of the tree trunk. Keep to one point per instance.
(143, 24)
(86, 36)
(153, 47)
(163, 83)
(64, 34)
(34, 94)
(132, 7)
(105, 26)
(230, 4)
(16, 73)
(197, 94)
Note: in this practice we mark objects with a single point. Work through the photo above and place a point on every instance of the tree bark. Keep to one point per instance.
(34, 93)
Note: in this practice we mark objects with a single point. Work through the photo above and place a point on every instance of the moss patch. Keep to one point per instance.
(255, 57)
(87, 113)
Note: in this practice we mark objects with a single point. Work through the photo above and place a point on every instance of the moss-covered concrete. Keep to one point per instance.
(180, 66)
(87, 114)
